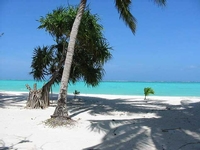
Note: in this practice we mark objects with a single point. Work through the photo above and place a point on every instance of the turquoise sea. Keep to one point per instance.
(113, 87)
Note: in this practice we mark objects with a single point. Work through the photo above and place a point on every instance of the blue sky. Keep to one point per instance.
(166, 46)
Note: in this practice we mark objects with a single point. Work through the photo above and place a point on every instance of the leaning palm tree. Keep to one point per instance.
(61, 110)
(92, 50)
(123, 7)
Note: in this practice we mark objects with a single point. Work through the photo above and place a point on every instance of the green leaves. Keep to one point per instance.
(148, 91)
(160, 2)
(123, 7)
(59, 22)
(41, 60)
(76, 92)
(92, 50)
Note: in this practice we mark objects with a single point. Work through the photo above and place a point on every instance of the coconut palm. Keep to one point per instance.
(123, 7)
(92, 50)
(148, 91)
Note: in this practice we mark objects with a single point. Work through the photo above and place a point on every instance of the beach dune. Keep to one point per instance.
(103, 122)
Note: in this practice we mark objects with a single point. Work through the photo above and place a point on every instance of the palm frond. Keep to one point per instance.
(91, 51)
(123, 7)
(41, 59)
(148, 91)
(160, 2)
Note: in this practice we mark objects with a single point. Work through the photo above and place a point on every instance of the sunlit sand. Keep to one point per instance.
(103, 122)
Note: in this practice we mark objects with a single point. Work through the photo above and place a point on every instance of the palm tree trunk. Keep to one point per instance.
(46, 89)
(61, 108)
(45, 95)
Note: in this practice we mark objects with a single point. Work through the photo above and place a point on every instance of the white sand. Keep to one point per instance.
(104, 122)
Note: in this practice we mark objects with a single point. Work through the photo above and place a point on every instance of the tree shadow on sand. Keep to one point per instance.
(12, 99)
(103, 106)
(13, 146)
(173, 127)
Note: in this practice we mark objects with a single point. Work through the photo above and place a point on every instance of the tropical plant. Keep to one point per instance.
(123, 7)
(76, 93)
(92, 50)
(148, 91)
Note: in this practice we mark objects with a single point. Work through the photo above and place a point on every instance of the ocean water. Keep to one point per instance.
(113, 87)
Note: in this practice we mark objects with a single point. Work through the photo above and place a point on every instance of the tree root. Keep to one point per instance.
(59, 121)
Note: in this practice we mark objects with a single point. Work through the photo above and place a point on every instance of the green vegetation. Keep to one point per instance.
(148, 91)
(92, 50)
(76, 93)
(123, 7)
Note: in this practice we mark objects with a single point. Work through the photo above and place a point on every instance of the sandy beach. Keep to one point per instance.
(103, 122)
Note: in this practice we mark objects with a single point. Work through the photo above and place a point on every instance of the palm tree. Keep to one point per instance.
(76, 93)
(61, 110)
(148, 91)
(91, 50)
(123, 7)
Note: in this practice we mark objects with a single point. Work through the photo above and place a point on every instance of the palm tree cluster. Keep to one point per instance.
(123, 7)
(92, 50)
